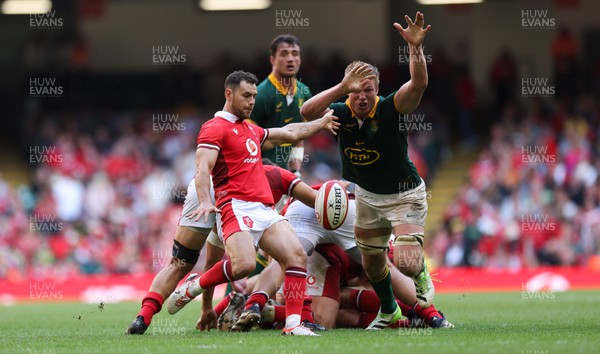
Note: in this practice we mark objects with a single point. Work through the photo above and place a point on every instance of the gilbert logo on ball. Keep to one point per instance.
(331, 205)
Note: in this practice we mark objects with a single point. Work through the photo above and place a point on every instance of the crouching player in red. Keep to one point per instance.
(337, 284)
(341, 296)
(311, 234)
(229, 149)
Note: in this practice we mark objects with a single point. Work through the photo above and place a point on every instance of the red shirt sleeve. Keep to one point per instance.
(262, 133)
(210, 136)
(288, 180)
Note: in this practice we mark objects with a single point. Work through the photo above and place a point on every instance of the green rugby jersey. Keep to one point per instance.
(375, 156)
(271, 110)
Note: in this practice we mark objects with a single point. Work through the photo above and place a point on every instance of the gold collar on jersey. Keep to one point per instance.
(279, 86)
(371, 114)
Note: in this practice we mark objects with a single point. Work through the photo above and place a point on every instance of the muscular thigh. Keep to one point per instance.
(191, 239)
(280, 241)
(239, 247)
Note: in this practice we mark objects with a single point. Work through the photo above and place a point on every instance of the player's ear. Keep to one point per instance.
(272, 59)
(228, 94)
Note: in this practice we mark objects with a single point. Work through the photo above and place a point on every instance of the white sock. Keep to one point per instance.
(292, 321)
(194, 289)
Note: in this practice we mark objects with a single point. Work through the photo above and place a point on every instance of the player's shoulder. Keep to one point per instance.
(302, 88)
(340, 108)
(214, 122)
(265, 86)
(387, 102)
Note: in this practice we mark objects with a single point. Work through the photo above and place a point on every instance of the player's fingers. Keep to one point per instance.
(427, 29)
(419, 19)
(408, 20)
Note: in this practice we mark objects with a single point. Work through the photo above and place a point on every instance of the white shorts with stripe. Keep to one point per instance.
(239, 215)
(303, 220)
(190, 204)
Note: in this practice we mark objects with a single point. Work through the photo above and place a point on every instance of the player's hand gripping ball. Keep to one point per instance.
(331, 205)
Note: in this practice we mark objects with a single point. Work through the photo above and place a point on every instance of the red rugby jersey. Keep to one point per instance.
(281, 181)
(238, 172)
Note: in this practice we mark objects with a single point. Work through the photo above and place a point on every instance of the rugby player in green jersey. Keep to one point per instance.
(279, 99)
(390, 194)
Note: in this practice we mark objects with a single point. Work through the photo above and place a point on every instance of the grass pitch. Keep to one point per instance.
(515, 322)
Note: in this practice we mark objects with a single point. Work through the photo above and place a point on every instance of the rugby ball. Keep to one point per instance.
(331, 205)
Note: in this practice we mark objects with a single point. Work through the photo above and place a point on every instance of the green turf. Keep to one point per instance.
(485, 323)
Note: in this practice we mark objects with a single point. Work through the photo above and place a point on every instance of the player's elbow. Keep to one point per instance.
(304, 111)
(307, 112)
(419, 87)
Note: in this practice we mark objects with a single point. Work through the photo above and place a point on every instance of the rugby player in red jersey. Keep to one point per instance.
(229, 149)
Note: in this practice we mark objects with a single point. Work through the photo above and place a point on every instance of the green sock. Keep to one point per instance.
(383, 288)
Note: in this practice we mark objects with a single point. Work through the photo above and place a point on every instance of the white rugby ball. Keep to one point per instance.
(331, 205)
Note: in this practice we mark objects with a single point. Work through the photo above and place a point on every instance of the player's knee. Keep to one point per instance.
(372, 246)
(408, 253)
(296, 258)
(243, 267)
(183, 259)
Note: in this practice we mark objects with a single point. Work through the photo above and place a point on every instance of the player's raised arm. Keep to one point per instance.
(205, 161)
(353, 81)
(294, 132)
(407, 98)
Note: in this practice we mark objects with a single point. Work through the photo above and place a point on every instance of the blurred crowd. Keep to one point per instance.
(108, 182)
(533, 196)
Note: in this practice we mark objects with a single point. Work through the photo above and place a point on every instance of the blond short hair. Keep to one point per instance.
(358, 63)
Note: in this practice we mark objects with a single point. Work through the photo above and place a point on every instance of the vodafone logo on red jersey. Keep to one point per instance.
(252, 147)
(253, 150)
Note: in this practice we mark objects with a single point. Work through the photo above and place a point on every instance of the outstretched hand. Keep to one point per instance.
(414, 34)
(331, 123)
(358, 78)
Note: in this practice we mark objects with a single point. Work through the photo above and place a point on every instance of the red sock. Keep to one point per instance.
(294, 288)
(406, 310)
(427, 313)
(223, 304)
(257, 297)
(220, 273)
(279, 314)
(365, 319)
(307, 313)
(151, 304)
(365, 300)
